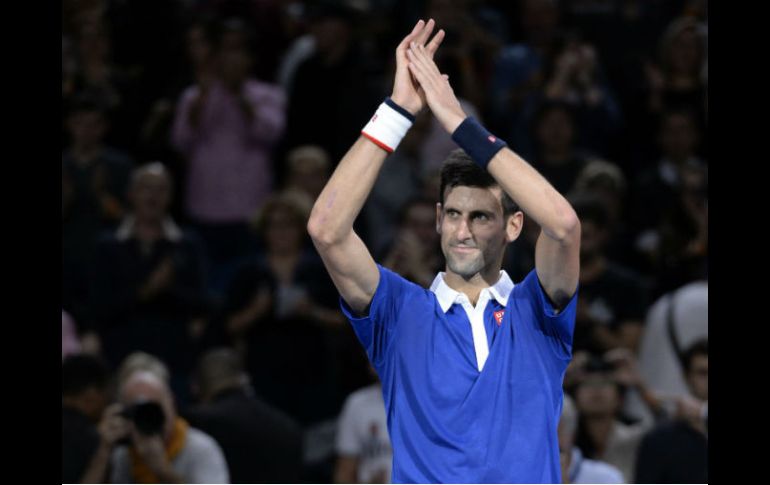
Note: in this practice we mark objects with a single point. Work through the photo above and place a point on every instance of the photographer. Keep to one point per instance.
(142, 440)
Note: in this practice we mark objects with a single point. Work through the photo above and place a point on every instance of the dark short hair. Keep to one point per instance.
(589, 207)
(81, 372)
(86, 102)
(699, 347)
(459, 170)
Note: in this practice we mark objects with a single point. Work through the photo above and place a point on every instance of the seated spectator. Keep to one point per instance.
(261, 444)
(147, 291)
(364, 454)
(677, 451)
(283, 299)
(674, 322)
(574, 467)
(612, 301)
(309, 169)
(94, 181)
(162, 447)
(601, 434)
(414, 252)
(85, 381)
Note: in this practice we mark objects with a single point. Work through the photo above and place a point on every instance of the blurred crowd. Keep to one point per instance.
(202, 339)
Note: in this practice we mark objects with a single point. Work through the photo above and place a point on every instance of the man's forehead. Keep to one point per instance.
(474, 198)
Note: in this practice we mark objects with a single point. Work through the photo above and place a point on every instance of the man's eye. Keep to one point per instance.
(481, 217)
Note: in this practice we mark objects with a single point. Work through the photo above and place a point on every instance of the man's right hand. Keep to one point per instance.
(407, 93)
(113, 426)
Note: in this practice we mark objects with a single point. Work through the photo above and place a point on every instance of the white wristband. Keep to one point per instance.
(388, 125)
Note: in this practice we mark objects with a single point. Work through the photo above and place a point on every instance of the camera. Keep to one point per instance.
(148, 417)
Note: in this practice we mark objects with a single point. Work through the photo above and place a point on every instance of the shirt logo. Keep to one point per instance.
(499, 316)
(374, 117)
(491, 138)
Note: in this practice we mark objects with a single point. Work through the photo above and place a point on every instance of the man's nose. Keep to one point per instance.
(464, 230)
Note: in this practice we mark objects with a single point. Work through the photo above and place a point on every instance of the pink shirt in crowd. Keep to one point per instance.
(230, 172)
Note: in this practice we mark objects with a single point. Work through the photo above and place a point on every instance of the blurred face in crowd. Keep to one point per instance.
(597, 395)
(329, 33)
(87, 128)
(234, 59)
(592, 239)
(420, 219)
(474, 232)
(698, 376)
(151, 194)
(678, 136)
(555, 131)
(143, 386)
(284, 230)
(309, 174)
(539, 19)
(685, 52)
(198, 46)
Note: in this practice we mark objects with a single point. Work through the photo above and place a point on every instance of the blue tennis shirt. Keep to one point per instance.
(448, 421)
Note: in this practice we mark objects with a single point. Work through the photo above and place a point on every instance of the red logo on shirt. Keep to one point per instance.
(499, 316)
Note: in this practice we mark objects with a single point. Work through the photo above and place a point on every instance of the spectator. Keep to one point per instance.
(226, 127)
(283, 299)
(85, 381)
(148, 290)
(555, 134)
(659, 185)
(334, 82)
(601, 434)
(363, 447)
(612, 300)
(94, 181)
(415, 251)
(574, 467)
(176, 453)
(309, 169)
(673, 323)
(261, 444)
(677, 451)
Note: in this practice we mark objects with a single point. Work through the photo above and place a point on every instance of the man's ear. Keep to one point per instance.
(514, 223)
(439, 217)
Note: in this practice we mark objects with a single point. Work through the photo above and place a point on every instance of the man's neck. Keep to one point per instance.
(472, 286)
(148, 230)
(599, 430)
(84, 155)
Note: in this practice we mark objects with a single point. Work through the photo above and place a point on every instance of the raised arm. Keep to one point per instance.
(558, 247)
(345, 256)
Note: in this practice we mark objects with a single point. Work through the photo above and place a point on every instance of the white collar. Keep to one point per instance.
(447, 296)
(171, 231)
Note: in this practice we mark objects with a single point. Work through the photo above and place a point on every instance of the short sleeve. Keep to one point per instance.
(375, 330)
(560, 325)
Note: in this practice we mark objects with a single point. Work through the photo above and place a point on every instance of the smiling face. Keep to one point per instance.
(474, 231)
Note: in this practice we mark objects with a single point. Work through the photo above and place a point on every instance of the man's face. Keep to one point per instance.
(150, 195)
(420, 220)
(597, 395)
(555, 130)
(87, 128)
(698, 377)
(678, 137)
(473, 229)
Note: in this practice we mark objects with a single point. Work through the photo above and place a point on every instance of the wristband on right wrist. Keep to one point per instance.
(388, 126)
(477, 142)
